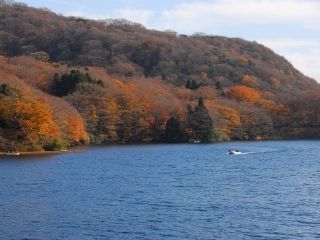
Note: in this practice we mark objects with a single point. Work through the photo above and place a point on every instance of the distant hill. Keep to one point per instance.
(123, 83)
(130, 49)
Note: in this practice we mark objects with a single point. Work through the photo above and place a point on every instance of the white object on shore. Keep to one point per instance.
(13, 153)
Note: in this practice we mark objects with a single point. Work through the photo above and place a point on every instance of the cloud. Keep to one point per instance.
(142, 16)
(302, 53)
(80, 13)
(189, 17)
(286, 43)
(62, 2)
(201, 15)
(250, 19)
(270, 17)
(309, 64)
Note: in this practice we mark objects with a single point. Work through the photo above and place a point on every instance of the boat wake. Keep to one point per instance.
(239, 153)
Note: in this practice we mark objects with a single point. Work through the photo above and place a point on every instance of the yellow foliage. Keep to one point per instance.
(76, 130)
(126, 87)
(273, 108)
(243, 93)
(244, 59)
(231, 115)
(32, 118)
(119, 84)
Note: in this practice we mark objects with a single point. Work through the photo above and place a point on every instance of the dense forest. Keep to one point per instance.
(66, 81)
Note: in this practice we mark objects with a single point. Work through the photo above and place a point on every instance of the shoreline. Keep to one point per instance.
(74, 149)
(31, 153)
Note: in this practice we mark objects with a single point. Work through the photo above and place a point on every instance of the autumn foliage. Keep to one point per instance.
(243, 93)
(28, 119)
(131, 110)
(68, 81)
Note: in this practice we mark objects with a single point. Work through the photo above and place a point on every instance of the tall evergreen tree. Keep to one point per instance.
(173, 132)
(200, 122)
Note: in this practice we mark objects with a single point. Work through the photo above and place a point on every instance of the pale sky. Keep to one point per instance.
(290, 27)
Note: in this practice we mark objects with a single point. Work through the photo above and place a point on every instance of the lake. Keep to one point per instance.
(183, 191)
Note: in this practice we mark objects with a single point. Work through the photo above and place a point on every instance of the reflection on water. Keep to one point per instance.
(187, 191)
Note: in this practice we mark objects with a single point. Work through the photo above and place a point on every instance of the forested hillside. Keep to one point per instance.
(68, 80)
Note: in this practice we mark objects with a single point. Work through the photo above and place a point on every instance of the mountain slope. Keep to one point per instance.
(131, 50)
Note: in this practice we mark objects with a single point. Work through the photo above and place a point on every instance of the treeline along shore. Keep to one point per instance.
(67, 81)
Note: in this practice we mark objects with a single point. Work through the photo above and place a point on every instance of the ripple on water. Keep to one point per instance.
(165, 192)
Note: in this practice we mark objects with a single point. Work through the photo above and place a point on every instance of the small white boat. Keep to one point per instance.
(13, 153)
(197, 141)
(234, 152)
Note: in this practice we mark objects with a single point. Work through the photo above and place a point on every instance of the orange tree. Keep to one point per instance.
(29, 119)
(243, 93)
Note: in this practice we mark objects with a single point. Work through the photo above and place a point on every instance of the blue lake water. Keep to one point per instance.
(187, 191)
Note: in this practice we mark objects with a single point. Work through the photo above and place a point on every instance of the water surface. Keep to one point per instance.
(187, 191)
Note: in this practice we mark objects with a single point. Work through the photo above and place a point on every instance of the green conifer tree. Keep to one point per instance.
(173, 132)
(200, 122)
